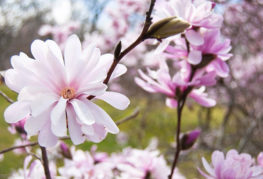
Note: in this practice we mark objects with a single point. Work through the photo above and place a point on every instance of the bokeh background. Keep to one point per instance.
(236, 120)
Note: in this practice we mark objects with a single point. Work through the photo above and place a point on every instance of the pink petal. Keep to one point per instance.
(170, 102)
(16, 112)
(83, 112)
(74, 128)
(58, 118)
(195, 57)
(102, 118)
(46, 138)
(221, 68)
(195, 38)
(117, 100)
(202, 99)
(208, 168)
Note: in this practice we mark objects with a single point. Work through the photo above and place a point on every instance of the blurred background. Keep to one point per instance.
(236, 120)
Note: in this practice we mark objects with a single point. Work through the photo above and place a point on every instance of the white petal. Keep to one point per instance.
(39, 50)
(41, 103)
(208, 168)
(54, 48)
(102, 118)
(83, 112)
(46, 138)
(94, 89)
(87, 130)
(34, 124)
(99, 133)
(16, 112)
(117, 100)
(58, 118)
(119, 70)
(72, 50)
(75, 132)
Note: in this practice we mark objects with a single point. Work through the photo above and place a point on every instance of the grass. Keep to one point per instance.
(154, 120)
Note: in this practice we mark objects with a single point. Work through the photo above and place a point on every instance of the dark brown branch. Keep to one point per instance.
(18, 147)
(45, 162)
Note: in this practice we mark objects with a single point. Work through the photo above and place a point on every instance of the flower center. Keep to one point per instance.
(68, 93)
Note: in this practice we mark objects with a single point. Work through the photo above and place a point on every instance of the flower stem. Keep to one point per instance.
(45, 162)
(180, 107)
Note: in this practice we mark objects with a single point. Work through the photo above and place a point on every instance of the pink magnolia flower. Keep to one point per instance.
(33, 169)
(160, 81)
(233, 166)
(53, 92)
(213, 45)
(198, 13)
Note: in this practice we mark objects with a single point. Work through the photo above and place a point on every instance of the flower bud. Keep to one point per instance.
(167, 27)
(65, 150)
(188, 139)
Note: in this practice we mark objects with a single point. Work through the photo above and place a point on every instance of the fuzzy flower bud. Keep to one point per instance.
(65, 150)
(167, 27)
(189, 139)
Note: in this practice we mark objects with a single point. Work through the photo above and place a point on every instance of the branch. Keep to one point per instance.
(133, 115)
(6, 97)
(18, 147)
(45, 162)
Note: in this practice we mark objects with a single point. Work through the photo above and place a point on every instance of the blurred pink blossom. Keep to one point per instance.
(54, 92)
(160, 81)
(233, 166)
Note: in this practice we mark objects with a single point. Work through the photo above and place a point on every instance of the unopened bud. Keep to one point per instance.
(167, 27)
(65, 150)
(188, 139)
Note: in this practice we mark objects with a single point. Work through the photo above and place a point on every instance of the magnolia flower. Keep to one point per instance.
(233, 166)
(212, 54)
(160, 81)
(198, 13)
(53, 92)
(33, 169)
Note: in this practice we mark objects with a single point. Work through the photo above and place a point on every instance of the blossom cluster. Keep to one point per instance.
(198, 54)
(234, 165)
(130, 163)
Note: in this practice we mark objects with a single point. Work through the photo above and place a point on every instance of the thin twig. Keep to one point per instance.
(133, 115)
(45, 162)
(6, 97)
(18, 147)
(180, 107)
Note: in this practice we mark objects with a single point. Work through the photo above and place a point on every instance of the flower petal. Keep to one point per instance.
(46, 138)
(74, 128)
(117, 100)
(102, 118)
(195, 57)
(195, 38)
(16, 112)
(41, 103)
(58, 118)
(83, 112)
